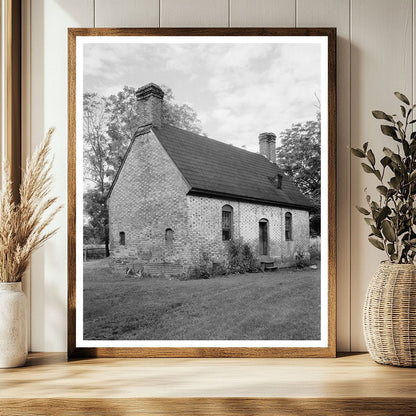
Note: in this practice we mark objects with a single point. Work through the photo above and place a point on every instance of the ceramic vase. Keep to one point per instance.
(13, 325)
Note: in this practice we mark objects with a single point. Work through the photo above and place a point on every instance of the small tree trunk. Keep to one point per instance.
(107, 232)
(107, 243)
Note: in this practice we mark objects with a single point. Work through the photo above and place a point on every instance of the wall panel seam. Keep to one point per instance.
(30, 146)
(296, 13)
(28, 152)
(2, 88)
(30, 138)
(349, 171)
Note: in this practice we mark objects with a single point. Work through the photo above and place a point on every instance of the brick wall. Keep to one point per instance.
(205, 223)
(149, 197)
(149, 105)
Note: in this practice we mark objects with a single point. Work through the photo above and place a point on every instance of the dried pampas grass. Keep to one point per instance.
(23, 225)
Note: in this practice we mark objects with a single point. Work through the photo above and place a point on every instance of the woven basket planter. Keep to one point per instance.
(390, 315)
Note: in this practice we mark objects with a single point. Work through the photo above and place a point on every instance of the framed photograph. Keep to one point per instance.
(201, 192)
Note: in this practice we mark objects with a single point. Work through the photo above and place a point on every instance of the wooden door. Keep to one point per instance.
(263, 238)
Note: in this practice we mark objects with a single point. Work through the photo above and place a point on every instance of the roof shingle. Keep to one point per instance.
(213, 168)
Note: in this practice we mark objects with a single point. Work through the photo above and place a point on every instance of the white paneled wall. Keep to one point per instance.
(267, 13)
(376, 40)
(132, 13)
(381, 63)
(47, 66)
(194, 13)
(335, 13)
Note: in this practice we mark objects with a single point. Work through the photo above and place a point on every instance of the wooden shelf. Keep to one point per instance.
(350, 384)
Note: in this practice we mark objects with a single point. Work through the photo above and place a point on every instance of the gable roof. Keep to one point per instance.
(141, 130)
(216, 169)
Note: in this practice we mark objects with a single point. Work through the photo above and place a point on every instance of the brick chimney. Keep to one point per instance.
(267, 144)
(149, 105)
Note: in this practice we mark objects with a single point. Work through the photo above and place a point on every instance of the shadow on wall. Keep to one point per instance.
(48, 96)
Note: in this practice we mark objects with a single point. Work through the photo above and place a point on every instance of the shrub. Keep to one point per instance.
(136, 270)
(241, 258)
(198, 272)
(219, 269)
(302, 258)
(203, 270)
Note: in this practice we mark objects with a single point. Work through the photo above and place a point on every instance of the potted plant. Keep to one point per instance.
(23, 229)
(390, 307)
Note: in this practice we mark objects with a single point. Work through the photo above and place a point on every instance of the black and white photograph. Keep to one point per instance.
(203, 191)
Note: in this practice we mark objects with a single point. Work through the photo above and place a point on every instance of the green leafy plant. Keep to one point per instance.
(392, 217)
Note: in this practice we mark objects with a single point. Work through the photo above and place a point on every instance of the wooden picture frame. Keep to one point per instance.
(327, 346)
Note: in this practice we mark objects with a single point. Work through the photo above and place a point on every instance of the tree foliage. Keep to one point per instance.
(179, 115)
(299, 155)
(95, 156)
(95, 218)
(109, 126)
(392, 216)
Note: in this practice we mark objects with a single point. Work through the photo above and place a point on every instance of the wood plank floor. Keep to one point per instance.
(347, 385)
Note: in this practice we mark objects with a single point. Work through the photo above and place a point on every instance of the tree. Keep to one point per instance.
(182, 116)
(110, 124)
(95, 140)
(96, 150)
(123, 121)
(299, 155)
(95, 217)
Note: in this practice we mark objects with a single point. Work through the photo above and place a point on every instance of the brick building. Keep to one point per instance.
(179, 196)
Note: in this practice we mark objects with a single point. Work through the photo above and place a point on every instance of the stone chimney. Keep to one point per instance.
(149, 105)
(267, 144)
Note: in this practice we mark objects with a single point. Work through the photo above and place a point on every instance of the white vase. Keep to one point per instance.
(13, 325)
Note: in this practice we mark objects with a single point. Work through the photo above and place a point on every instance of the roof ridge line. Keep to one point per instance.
(210, 138)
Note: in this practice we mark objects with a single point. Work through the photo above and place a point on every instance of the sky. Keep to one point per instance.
(237, 90)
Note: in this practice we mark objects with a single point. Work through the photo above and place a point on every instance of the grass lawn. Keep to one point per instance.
(282, 305)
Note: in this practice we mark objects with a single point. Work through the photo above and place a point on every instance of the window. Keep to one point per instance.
(227, 222)
(288, 226)
(276, 180)
(169, 235)
(122, 238)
